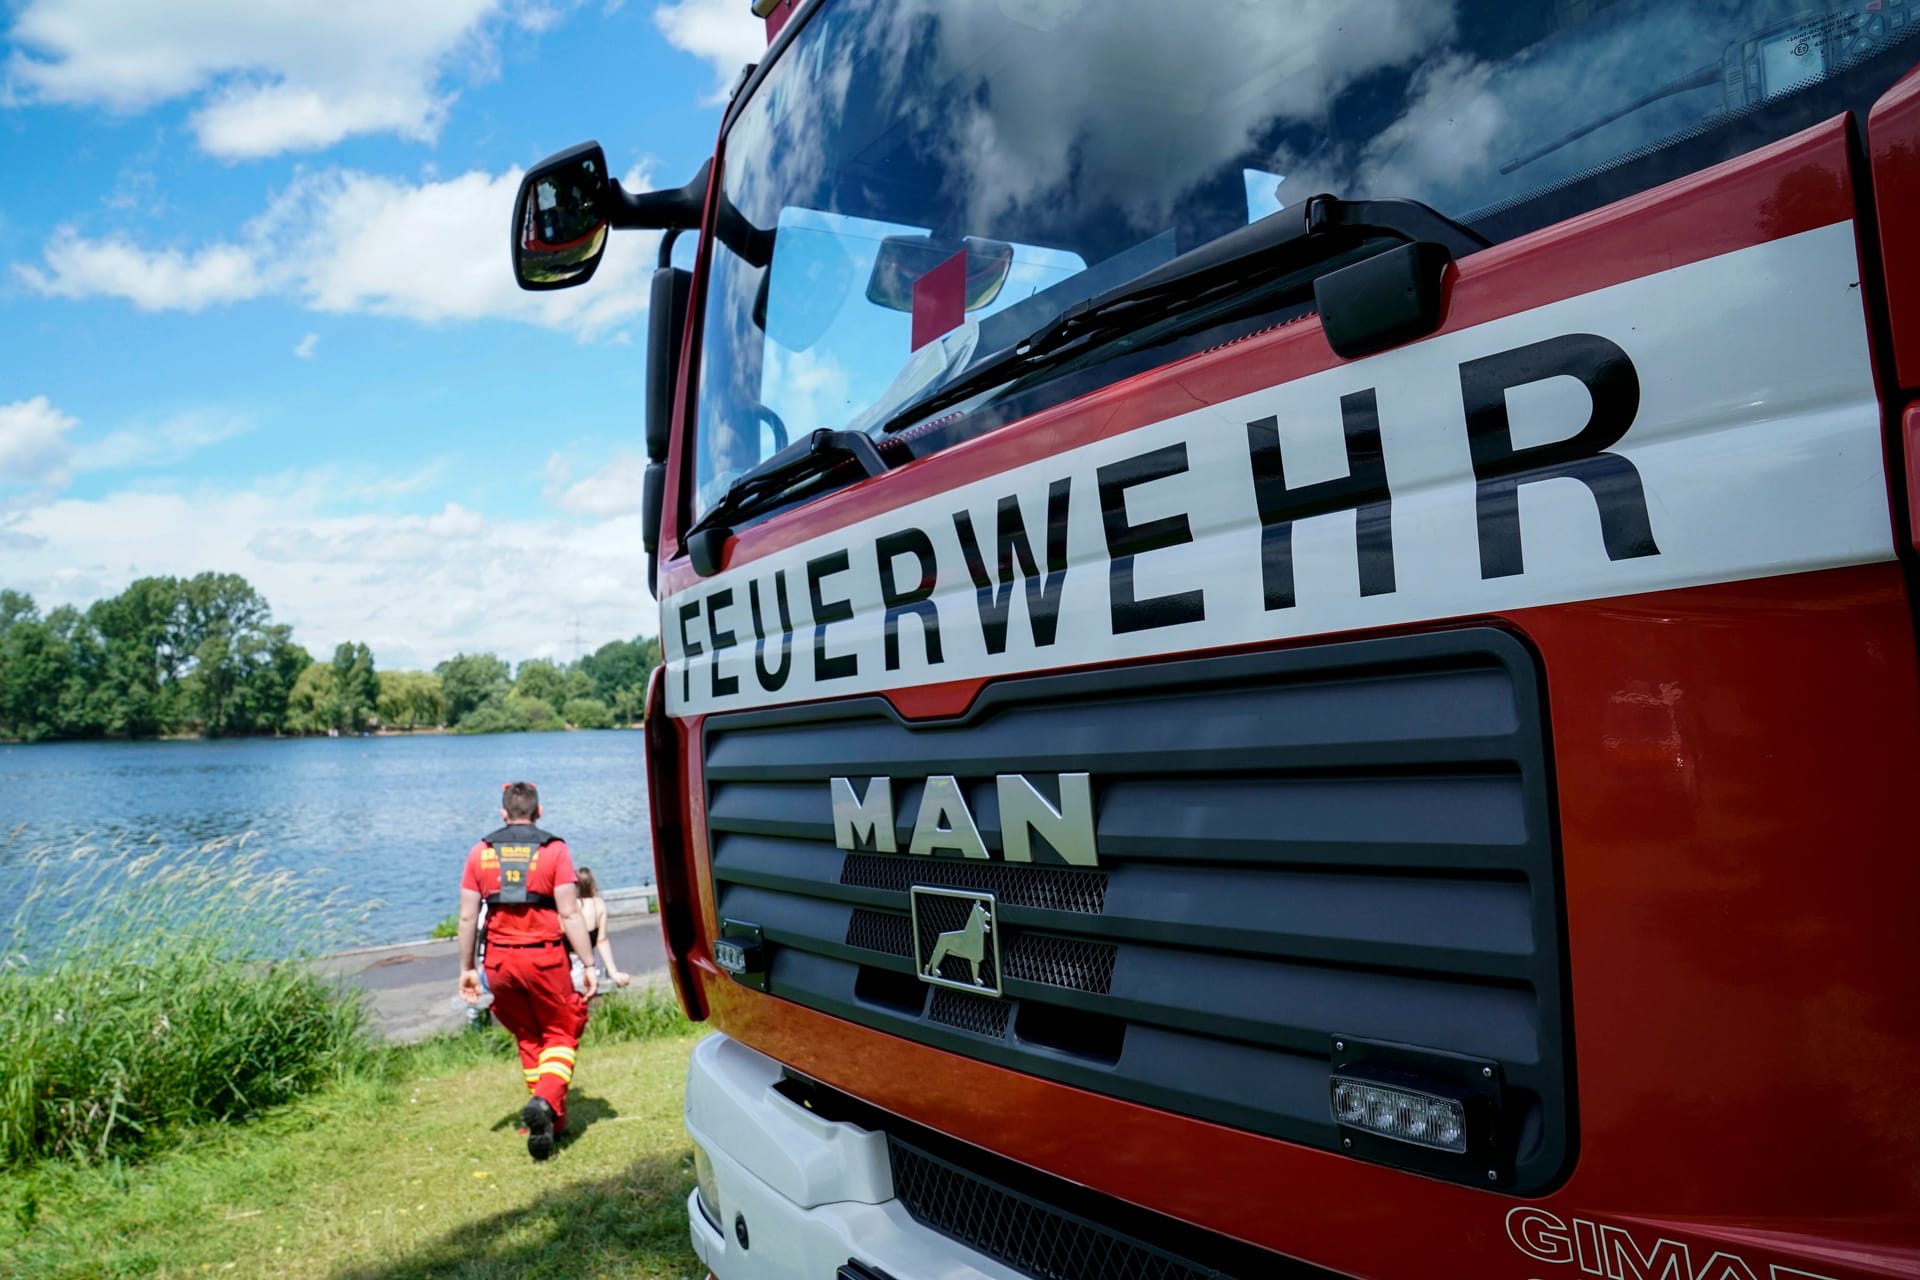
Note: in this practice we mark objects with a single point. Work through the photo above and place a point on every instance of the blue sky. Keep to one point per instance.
(256, 314)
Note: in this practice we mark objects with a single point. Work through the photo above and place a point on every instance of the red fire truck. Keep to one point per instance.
(1290, 637)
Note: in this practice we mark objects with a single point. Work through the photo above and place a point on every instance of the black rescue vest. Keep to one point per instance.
(515, 847)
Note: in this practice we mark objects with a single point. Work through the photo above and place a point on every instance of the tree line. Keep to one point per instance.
(202, 655)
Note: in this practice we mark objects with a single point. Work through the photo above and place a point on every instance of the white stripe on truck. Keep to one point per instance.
(1705, 424)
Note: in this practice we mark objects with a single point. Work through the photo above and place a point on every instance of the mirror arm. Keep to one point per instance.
(665, 258)
(675, 210)
(751, 244)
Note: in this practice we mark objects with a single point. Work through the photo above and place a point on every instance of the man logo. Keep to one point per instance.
(865, 821)
(956, 938)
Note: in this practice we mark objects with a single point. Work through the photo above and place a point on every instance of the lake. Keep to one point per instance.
(390, 817)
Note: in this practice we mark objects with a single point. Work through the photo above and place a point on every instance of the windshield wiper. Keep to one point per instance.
(1325, 231)
(805, 459)
(1290, 242)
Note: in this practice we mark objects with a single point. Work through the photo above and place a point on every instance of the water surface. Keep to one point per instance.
(390, 818)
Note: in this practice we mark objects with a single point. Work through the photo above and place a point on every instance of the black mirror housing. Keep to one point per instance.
(903, 260)
(561, 218)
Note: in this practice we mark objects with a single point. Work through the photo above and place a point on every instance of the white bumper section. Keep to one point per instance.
(813, 1193)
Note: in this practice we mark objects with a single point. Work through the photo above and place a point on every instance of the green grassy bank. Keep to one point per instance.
(404, 1174)
(185, 1096)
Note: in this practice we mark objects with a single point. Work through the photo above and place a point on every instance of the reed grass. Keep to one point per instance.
(145, 988)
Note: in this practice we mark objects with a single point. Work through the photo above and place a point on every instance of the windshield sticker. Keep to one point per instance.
(1632, 439)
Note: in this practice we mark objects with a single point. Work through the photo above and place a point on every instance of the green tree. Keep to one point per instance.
(163, 655)
(17, 606)
(84, 698)
(540, 679)
(588, 713)
(629, 704)
(143, 663)
(356, 687)
(427, 704)
(467, 680)
(538, 713)
(621, 664)
(34, 667)
(311, 702)
(409, 699)
(274, 663)
(222, 622)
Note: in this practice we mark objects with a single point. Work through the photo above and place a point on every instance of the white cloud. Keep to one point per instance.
(33, 443)
(416, 587)
(39, 456)
(304, 348)
(345, 241)
(269, 76)
(153, 280)
(611, 491)
(161, 445)
(724, 32)
(435, 252)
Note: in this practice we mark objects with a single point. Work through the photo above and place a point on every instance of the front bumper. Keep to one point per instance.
(812, 1193)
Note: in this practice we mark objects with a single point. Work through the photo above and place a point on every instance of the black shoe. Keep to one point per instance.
(538, 1116)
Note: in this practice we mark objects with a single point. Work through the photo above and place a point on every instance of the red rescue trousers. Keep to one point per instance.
(533, 997)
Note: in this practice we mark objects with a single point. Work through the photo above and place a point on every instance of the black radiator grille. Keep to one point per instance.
(1048, 888)
(982, 1015)
(1021, 1233)
(1062, 962)
(884, 931)
(1347, 840)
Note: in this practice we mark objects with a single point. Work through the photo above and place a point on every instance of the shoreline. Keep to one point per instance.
(622, 904)
(410, 985)
(440, 731)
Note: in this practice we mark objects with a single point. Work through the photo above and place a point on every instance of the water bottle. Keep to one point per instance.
(484, 1002)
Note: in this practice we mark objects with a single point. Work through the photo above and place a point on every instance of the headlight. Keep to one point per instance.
(708, 1187)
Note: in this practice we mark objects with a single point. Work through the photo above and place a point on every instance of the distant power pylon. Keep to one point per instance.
(578, 651)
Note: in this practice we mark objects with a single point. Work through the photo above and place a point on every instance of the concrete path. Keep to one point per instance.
(412, 985)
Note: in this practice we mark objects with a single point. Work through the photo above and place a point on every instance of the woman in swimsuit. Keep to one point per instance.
(593, 914)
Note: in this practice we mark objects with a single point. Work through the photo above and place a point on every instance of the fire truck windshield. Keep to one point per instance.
(942, 178)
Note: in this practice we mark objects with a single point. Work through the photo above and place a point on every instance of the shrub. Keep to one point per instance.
(447, 928)
(538, 712)
(495, 715)
(588, 713)
(153, 992)
(510, 713)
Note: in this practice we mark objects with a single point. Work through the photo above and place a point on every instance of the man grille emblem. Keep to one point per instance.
(956, 939)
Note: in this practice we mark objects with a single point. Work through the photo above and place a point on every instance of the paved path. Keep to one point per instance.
(412, 985)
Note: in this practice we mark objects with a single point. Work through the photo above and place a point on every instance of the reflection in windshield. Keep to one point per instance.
(1099, 139)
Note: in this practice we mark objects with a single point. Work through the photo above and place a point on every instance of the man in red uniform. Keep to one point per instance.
(533, 916)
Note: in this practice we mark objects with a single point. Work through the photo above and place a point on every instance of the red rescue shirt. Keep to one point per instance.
(552, 867)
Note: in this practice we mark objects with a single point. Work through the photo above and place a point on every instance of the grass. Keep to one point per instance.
(446, 928)
(142, 990)
(408, 1171)
(183, 1096)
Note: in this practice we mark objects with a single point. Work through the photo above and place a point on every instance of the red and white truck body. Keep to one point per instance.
(1413, 775)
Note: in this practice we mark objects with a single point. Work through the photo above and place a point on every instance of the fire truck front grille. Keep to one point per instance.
(982, 1015)
(1050, 888)
(1352, 840)
(881, 931)
(1021, 1233)
(1062, 962)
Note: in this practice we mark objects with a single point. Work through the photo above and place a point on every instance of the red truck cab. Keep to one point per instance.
(1290, 637)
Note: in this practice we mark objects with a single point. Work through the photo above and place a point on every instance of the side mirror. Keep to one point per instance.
(902, 260)
(560, 219)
